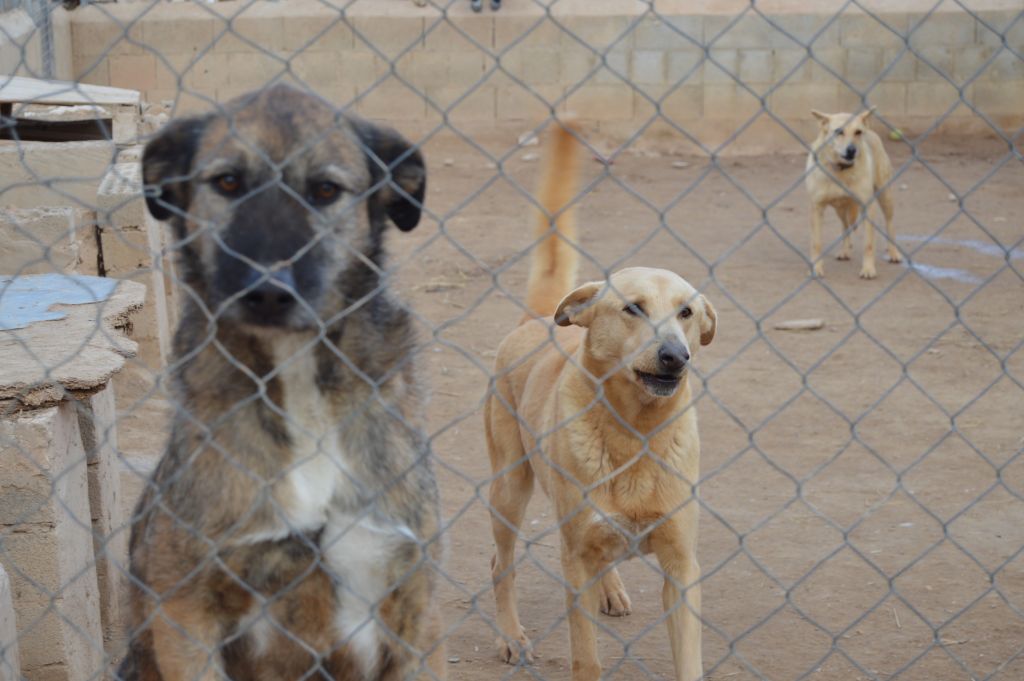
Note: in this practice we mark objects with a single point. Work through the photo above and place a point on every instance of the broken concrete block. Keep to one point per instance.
(41, 240)
(97, 421)
(10, 666)
(49, 559)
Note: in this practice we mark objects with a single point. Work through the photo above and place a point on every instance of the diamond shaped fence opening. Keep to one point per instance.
(257, 259)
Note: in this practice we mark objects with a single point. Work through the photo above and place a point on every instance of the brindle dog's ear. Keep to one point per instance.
(401, 194)
(167, 166)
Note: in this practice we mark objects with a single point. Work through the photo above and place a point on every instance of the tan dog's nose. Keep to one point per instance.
(672, 356)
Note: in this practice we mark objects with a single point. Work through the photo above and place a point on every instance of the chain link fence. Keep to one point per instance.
(861, 489)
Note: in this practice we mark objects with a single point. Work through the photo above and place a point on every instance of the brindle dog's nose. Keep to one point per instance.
(672, 357)
(272, 298)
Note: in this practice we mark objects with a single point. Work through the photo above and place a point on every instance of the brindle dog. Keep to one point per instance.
(291, 527)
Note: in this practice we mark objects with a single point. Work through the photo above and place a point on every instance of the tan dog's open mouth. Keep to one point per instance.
(662, 385)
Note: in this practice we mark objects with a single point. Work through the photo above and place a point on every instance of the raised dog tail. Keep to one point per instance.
(555, 259)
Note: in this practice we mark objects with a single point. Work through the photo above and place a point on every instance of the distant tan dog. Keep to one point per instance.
(846, 169)
(603, 418)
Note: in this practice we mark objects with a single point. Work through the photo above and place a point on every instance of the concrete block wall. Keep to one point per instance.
(10, 662)
(44, 494)
(617, 63)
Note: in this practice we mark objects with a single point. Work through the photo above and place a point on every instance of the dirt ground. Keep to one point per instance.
(862, 490)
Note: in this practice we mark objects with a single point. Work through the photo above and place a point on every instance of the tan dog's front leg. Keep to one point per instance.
(581, 600)
(817, 217)
(185, 642)
(676, 555)
(867, 268)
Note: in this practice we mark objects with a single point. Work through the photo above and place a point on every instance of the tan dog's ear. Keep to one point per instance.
(867, 114)
(577, 307)
(708, 323)
(822, 118)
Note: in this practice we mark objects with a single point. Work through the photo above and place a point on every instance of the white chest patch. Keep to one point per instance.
(318, 470)
(359, 551)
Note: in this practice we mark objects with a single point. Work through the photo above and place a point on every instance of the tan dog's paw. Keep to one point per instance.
(868, 271)
(819, 269)
(894, 256)
(614, 599)
(510, 652)
(843, 255)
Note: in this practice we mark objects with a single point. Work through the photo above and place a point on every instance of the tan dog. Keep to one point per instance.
(846, 169)
(603, 418)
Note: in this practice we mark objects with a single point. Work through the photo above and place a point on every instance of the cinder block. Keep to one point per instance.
(392, 35)
(685, 64)
(599, 32)
(945, 28)
(1003, 98)
(526, 32)
(133, 71)
(459, 32)
(168, 34)
(317, 33)
(94, 33)
(668, 33)
(930, 99)
(44, 493)
(751, 31)
(251, 70)
(722, 67)
(795, 100)
(515, 103)
(648, 67)
(825, 64)
(863, 66)
(862, 30)
(10, 662)
(476, 106)
(683, 105)
(541, 66)
(1004, 26)
(900, 64)
(1006, 65)
(801, 30)
(890, 98)
(577, 65)
(391, 101)
(724, 101)
(424, 69)
(790, 65)
(756, 66)
(361, 67)
(466, 68)
(97, 422)
(132, 248)
(935, 64)
(39, 240)
(602, 102)
(72, 171)
(614, 68)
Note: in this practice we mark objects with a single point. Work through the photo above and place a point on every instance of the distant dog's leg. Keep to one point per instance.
(817, 217)
(614, 599)
(510, 493)
(885, 201)
(581, 599)
(676, 554)
(867, 268)
(185, 642)
(848, 218)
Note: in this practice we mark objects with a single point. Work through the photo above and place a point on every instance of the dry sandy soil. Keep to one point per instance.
(862, 490)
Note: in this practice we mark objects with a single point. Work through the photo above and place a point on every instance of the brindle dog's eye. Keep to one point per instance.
(227, 184)
(324, 193)
(685, 313)
(633, 309)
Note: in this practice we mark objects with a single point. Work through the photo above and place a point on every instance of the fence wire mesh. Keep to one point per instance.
(861, 489)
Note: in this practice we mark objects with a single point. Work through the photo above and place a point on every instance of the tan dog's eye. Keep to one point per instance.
(227, 184)
(633, 310)
(858, 133)
(324, 193)
(839, 132)
(685, 313)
